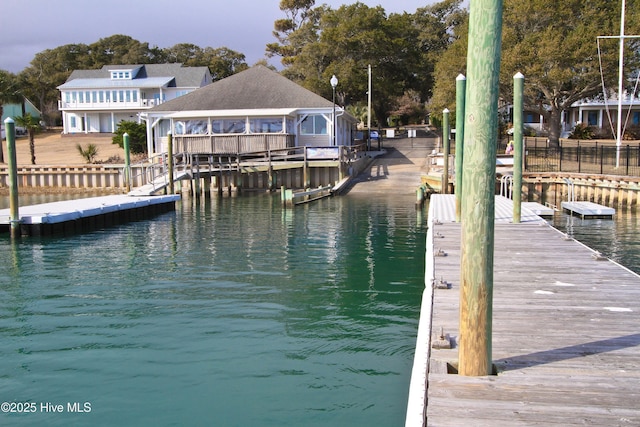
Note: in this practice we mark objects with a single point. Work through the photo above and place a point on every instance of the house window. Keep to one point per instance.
(228, 126)
(73, 122)
(314, 125)
(265, 125)
(636, 118)
(592, 118)
(195, 127)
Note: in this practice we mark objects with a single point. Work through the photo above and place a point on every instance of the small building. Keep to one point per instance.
(256, 109)
(16, 110)
(95, 101)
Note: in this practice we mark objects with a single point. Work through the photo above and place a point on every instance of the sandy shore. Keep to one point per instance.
(52, 149)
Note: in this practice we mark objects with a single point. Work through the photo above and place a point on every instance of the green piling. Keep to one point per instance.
(14, 211)
(478, 203)
(461, 84)
(518, 107)
(446, 133)
(127, 161)
(170, 163)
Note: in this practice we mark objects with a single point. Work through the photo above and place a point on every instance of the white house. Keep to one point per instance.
(95, 101)
(256, 109)
(596, 112)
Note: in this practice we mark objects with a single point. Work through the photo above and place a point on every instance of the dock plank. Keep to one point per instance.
(565, 338)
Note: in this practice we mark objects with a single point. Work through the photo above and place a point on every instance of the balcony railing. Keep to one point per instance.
(139, 104)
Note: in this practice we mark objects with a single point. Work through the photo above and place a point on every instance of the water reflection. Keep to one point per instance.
(233, 309)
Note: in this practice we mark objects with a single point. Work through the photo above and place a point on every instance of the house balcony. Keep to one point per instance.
(141, 104)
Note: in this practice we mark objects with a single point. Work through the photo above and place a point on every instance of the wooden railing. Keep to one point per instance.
(231, 144)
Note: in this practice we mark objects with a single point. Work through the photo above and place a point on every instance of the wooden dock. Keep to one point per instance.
(73, 216)
(566, 343)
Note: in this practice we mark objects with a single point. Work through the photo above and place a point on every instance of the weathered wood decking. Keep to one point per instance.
(566, 340)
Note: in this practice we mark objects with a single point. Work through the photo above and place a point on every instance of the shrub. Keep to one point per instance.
(581, 131)
(89, 153)
(137, 136)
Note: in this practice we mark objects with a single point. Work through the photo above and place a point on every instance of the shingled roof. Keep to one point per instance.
(253, 89)
(181, 76)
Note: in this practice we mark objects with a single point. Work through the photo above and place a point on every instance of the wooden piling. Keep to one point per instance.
(518, 125)
(14, 211)
(446, 133)
(461, 85)
(480, 134)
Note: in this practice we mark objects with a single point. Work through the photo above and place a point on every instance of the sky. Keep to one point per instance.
(245, 26)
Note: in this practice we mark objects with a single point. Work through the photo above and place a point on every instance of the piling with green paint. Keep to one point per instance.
(14, 210)
(461, 85)
(127, 161)
(518, 107)
(170, 163)
(478, 203)
(446, 132)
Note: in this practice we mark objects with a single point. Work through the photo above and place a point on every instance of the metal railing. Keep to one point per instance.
(596, 157)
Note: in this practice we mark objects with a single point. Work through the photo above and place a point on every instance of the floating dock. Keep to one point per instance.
(539, 209)
(588, 210)
(565, 332)
(74, 216)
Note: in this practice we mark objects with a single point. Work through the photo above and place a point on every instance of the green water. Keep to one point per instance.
(231, 313)
(617, 239)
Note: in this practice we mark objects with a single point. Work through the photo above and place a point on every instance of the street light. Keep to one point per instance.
(334, 83)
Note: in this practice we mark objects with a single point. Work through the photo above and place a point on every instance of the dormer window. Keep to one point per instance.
(121, 75)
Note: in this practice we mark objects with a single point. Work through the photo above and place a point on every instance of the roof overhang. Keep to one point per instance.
(151, 82)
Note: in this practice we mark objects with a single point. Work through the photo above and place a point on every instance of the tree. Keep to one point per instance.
(137, 136)
(554, 44)
(48, 70)
(32, 126)
(118, 49)
(558, 57)
(9, 93)
(451, 63)
(318, 43)
(298, 13)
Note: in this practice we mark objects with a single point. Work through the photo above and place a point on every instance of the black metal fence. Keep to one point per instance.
(590, 157)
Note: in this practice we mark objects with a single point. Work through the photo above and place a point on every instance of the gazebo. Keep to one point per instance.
(256, 109)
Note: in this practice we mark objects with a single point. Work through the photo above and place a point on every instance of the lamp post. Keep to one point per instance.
(334, 83)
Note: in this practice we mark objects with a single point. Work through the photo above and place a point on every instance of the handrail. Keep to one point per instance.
(506, 186)
(155, 167)
(571, 196)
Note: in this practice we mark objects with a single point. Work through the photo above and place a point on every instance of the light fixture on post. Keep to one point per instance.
(334, 83)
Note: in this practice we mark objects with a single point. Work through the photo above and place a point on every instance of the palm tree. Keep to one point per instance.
(9, 94)
(32, 126)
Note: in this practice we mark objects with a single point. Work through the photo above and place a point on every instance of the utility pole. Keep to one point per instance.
(478, 203)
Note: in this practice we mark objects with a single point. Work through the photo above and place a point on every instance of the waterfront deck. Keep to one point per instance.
(71, 216)
(565, 333)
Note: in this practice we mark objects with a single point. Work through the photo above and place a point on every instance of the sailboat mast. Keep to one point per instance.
(620, 86)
